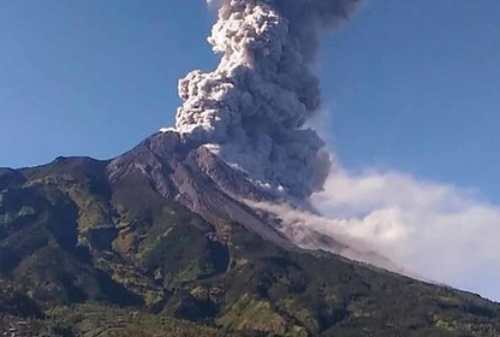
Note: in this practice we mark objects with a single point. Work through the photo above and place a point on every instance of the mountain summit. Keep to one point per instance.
(168, 239)
(156, 242)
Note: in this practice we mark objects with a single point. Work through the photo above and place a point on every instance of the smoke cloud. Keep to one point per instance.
(439, 231)
(252, 109)
(429, 230)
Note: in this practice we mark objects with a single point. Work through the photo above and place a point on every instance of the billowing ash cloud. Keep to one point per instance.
(252, 109)
(436, 231)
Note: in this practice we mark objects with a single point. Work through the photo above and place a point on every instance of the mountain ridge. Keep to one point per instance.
(159, 231)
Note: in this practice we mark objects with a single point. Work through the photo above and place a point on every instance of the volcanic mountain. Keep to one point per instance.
(154, 241)
(169, 239)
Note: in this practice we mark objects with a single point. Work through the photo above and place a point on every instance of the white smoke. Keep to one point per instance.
(439, 231)
(253, 107)
(436, 231)
(312, 231)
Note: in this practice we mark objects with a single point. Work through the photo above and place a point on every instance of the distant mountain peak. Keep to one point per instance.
(168, 233)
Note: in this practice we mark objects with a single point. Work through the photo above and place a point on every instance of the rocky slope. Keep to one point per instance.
(155, 243)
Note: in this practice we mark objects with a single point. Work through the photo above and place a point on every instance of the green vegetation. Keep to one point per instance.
(83, 256)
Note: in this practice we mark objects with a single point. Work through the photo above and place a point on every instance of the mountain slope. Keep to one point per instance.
(156, 234)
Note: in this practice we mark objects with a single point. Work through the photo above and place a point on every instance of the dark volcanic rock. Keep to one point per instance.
(197, 179)
(10, 178)
(152, 159)
(130, 246)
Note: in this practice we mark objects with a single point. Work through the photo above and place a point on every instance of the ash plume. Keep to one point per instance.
(252, 109)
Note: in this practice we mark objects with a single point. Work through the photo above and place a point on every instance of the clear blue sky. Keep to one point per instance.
(410, 85)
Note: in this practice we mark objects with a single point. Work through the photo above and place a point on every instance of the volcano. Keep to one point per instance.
(168, 239)
(158, 242)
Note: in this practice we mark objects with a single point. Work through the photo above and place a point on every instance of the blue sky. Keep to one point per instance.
(408, 85)
(415, 85)
(411, 92)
